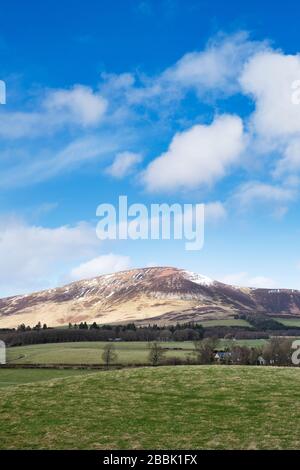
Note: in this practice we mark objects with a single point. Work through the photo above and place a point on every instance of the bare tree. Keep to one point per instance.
(255, 353)
(165, 335)
(278, 352)
(205, 350)
(109, 354)
(156, 353)
(240, 355)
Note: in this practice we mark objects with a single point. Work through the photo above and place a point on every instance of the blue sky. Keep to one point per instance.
(164, 101)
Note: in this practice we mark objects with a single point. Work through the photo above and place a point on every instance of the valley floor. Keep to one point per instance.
(91, 352)
(193, 407)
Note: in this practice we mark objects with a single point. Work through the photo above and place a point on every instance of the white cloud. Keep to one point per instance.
(215, 211)
(268, 77)
(243, 279)
(257, 192)
(211, 72)
(16, 125)
(35, 257)
(217, 67)
(78, 106)
(290, 163)
(123, 164)
(104, 264)
(199, 156)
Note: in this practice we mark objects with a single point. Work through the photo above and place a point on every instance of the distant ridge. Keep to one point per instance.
(160, 294)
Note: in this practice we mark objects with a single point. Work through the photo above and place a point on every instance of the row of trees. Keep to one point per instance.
(39, 334)
(179, 332)
(262, 322)
(83, 332)
(276, 352)
(37, 327)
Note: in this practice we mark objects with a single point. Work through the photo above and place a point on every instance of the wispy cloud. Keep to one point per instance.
(255, 192)
(123, 164)
(244, 279)
(78, 106)
(214, 71)
(104, 264)
(47, 165)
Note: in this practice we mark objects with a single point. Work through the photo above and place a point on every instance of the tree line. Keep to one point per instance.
(41, 334)
(25, 335)
(277, 352)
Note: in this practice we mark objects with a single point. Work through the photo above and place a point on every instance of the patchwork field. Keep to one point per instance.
(192, 407)
(91, 352)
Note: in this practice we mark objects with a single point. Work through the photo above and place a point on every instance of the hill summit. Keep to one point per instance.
(162, 295)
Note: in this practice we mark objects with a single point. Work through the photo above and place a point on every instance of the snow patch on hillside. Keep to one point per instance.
(198, 278)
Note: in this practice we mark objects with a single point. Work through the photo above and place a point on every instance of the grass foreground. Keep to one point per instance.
(10, 377)
(183, 407)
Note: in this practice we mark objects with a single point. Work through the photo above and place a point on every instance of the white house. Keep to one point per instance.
(261, 361)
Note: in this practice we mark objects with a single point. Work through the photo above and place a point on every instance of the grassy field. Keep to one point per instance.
(184, 407)
(91, 352)
(10, 377)
(251, 343)
(233, 322)
(288, 321)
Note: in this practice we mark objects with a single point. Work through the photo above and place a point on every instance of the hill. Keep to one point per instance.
(151, 295)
